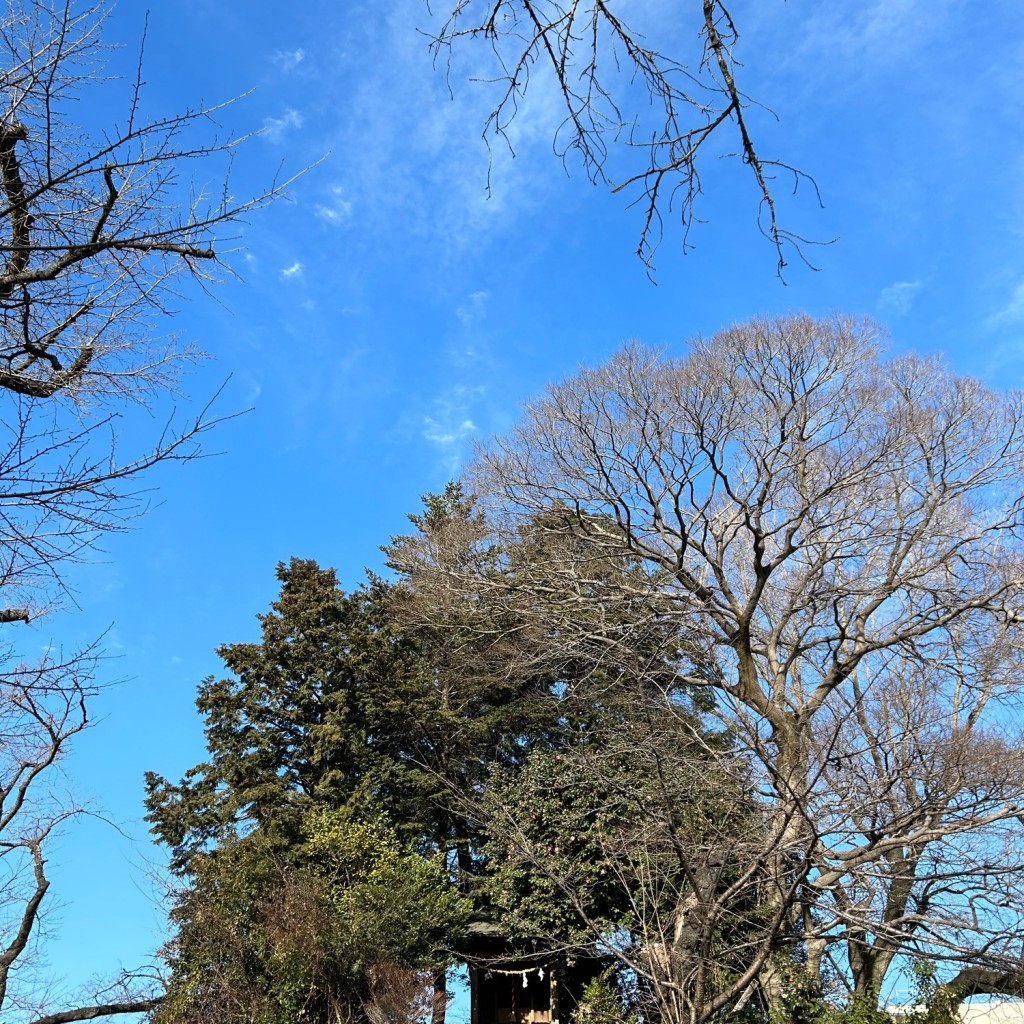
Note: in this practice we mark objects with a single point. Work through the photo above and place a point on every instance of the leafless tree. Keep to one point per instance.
(93, 233)
(622, 97)
(920, 783)
(43, 706)
(838, 537)
(398, 995)
(96, 223)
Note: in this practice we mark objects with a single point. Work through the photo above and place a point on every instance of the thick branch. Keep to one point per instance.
(99, 1010)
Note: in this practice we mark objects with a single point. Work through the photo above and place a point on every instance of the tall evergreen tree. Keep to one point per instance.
(287, 730)
(346, 706)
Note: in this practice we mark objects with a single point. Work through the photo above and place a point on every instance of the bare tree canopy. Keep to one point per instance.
(96, 222)
(94, 229)
(96, 225)
(835, 539)
(628, 105)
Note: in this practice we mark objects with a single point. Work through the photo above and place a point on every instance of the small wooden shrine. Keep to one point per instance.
(536, 989)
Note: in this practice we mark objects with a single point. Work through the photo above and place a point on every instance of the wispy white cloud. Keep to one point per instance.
(845, 42)
(471, 312)
(276, 128)
(450, 425)
(253, 391)
(1012, 311)
(337, 210)
(447, 434)
(420, 157)
(469, 348)
(295, 270)
(899, 296)
(288, 60)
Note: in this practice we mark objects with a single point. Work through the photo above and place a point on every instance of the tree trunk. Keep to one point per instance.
(439, 1003)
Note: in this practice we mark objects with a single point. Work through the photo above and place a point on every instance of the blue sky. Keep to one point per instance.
(390, 311)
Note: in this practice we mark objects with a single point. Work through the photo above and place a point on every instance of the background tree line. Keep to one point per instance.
(715, 676)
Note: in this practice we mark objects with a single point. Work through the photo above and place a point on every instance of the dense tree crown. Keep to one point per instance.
(338, 711)
(839, 536)
(338, 707)
(370, 709)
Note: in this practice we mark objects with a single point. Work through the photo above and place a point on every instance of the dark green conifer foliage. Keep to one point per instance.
(293, 837)
(288, 729)
(471, 699)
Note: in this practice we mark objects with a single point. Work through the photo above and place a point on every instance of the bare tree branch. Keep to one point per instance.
(100, 1010)
(627, 103)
